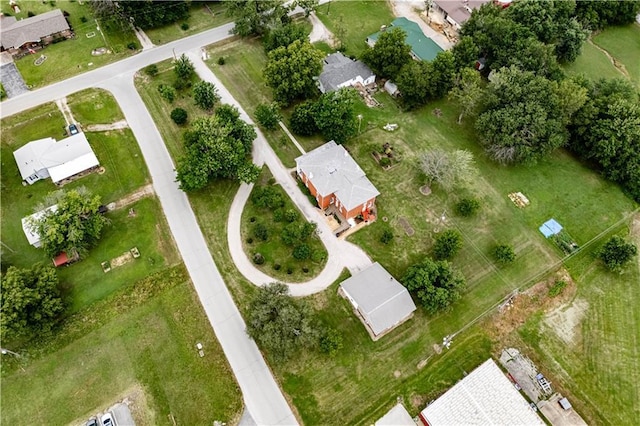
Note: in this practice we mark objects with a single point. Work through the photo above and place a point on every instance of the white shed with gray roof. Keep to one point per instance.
(340, 71)
(382, 302)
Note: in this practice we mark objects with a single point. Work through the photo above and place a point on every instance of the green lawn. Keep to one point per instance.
(600, 364)
(202, 16)
(71, 57)
(359, 19)
(138, 343)
(593, 63)
(623, 43)
(273, 249)
(125, 172)
(94, 106)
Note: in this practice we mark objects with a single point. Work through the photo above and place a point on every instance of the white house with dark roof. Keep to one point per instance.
(38, 29)
(483, 397)
(339, 71)
(334, 178)
(381, 302)
(62, 160)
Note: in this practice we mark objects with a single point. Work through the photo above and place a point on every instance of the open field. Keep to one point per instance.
(623, 43)
(274, 251)
(203, 15)
(125, 172)
(138, 343)
(340, 14)
(593, 63)
(71, 57)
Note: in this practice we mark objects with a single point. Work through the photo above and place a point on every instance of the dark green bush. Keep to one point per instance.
(151, 70)
(258, 259)
(504, 253)
(184, 26)
(179, 116)
(467, 207)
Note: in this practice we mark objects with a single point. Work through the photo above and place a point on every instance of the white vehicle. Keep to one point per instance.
(107, 419)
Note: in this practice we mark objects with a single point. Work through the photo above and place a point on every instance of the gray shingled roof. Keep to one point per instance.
(382, 301)
(459, 10)
(32, 29)
(338, 69)
(333, 171)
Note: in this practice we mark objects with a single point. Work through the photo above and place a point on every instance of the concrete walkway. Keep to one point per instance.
(342, 254)
(144, 39)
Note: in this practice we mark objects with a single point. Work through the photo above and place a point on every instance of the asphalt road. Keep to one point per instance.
(262, 396)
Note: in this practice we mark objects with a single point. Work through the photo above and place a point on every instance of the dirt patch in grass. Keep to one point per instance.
(406, 226)
(514, 314)
(565, 320)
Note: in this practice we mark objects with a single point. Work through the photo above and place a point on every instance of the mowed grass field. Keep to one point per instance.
(363, 375)
(623, 43)
(203, 15)
(139, 343)
(70, 57)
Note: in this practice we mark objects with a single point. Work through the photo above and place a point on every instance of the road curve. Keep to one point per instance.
(341, 254)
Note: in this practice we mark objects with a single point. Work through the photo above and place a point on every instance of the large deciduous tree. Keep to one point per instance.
(606, 130)
(596, 14)
(30, 301)
(74, 226)
(447, 244)
(523, 117)
(467, 92)
(291, 71)
(217, 147)
(420, 82)
(335, 115)
(152, 14)
(280, 324)
(283, 36)
(390, 53)
(434, 283)
(258, 17)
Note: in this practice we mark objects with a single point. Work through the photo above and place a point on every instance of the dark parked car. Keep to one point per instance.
(93, 421)
(73, 129)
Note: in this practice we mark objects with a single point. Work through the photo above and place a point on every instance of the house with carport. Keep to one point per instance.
(31, 33)
(337, 182)
(61, 161)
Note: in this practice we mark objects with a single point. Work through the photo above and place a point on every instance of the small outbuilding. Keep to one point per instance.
(381, 302)
(391, 88)
(565, 404)
(61, 160)
(397, 416)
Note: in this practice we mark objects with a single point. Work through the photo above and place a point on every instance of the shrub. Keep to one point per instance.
(267, 197)
(179, 116)
(318, 256)
(221, 60)
(386, 237)
(290, 215)
(467, 207)
(151, 70)
(167, 92)
(504, 254)
(557, 288)
(331, 342)
(183, 68)
(278, 215)
(260, 231)
(258, 259)
(268, 115)
(617, 252)
(249, 240)
(30, 14)
(83, 19)
(205, 94)
(447, 245)
(184, 26)
(305, 269)
(289, 270)
(307, 230)
(385, 162)
(277, 266)
(302, 252)
(132, 45)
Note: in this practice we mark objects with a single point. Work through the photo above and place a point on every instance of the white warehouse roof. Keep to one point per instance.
(484, 397)
(28, 225)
